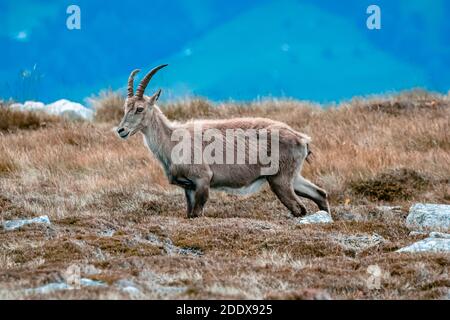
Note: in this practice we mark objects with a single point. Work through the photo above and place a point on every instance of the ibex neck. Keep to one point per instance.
(157, 135)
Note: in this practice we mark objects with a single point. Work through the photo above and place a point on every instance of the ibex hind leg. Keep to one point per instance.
(283, 189)
(307, 189)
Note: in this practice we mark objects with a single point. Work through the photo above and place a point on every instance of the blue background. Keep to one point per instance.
(241, 50)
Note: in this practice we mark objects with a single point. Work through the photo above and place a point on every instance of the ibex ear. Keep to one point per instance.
(155, 97)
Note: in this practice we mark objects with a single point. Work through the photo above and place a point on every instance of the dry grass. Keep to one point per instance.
(13, 120)
(108, 106)
(367, 152)
(392, 185)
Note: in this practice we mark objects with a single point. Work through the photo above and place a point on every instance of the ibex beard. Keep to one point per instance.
(202, 154)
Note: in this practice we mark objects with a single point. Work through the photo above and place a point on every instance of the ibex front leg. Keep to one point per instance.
(196, 182)
(189, 193)
(197, 198)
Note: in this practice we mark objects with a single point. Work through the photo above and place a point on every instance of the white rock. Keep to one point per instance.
(29, 106)
(440, 235)
(128, 287)
(63, 107)
(107, 233)
(89, 269)
(48, 288)
(58, 286)
(318, 217)
(389, 208)
(429, 216)
(69, 109)
(15, 224)
(131, 290)
(428, 245)
(86, 282)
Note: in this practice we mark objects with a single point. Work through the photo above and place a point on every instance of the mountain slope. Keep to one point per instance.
(289, 49)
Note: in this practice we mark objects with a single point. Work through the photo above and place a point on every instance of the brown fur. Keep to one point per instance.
(142, 114)
(197, 179)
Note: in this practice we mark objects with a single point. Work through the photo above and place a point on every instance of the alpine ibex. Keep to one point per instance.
(196, 178)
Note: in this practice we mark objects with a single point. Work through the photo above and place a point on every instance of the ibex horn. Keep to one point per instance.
(141, 88)
(131, 81)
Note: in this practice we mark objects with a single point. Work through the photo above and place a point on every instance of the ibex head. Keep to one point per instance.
(137, 105)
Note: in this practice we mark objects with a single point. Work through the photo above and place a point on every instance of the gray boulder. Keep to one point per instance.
(439, 235)
(107, 233)
(86, 282)
(49, 288)
(417, 233)
(58, 286)
(128, 286)
(318, 217)
(16, 224)
(436, 242)
(429, 216)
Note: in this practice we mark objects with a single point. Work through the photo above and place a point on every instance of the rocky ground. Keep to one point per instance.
(107, 225)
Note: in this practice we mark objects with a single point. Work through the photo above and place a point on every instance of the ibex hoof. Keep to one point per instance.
(300, 213)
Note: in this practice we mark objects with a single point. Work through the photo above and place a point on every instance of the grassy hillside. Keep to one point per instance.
(114, 214)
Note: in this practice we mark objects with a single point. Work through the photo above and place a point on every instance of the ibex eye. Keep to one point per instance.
(139, 109)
